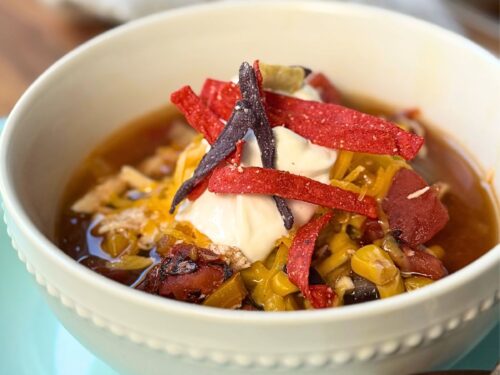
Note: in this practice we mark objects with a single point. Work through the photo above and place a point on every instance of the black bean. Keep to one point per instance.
(315, 278)
(364, 291)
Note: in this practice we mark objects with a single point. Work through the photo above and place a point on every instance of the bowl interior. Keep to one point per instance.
(125, 73)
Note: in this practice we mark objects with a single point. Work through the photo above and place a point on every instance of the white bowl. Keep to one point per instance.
(131, 70)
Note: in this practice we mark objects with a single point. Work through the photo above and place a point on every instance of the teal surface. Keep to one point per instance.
(32, 342)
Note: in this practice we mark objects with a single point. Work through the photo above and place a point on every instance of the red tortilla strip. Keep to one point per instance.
(299, 262)
(234, 158)
(254, 180)
(220, 96)
(325, 124)
(202, 119)
(413, 208)
(199, 189)
(342, 128)
(322, 296)
(327, 91)
(197, 114)
(210, 91)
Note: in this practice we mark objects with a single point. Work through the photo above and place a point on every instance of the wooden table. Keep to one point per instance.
(33, 36)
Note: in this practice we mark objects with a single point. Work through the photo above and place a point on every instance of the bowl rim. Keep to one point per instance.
(17, 214)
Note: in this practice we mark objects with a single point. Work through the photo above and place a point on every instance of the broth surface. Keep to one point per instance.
(471, 231)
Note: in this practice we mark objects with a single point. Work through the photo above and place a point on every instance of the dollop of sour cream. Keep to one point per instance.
(306, 92)
(252, 223)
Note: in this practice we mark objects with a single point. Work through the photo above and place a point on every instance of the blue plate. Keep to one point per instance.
(33, 342)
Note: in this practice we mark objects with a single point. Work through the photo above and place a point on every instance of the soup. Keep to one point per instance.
(354, 258)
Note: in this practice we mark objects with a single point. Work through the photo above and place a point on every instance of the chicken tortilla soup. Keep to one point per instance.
(277, 192)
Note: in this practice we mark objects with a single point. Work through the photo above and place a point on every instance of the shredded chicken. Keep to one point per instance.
(136, 218)
(162, 163)
(135, 179)
(130, 219)
(232, 255)
(149, 239)
(100, 195)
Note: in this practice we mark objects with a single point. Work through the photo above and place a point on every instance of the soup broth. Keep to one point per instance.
(471, 231)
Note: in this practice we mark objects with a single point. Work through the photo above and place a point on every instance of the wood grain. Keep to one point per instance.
(33, 36)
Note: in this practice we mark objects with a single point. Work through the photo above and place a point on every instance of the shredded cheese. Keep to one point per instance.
(418, 193)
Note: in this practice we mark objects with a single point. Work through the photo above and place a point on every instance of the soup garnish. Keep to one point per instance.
(286, 200)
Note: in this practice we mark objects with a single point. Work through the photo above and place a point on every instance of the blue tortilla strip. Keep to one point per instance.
(241, 120)
(250, 91)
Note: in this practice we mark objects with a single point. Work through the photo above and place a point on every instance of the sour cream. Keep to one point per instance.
(251, 222)
(307, 92)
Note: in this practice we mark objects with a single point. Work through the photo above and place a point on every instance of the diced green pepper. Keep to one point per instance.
(229, 295)
(281, 77)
